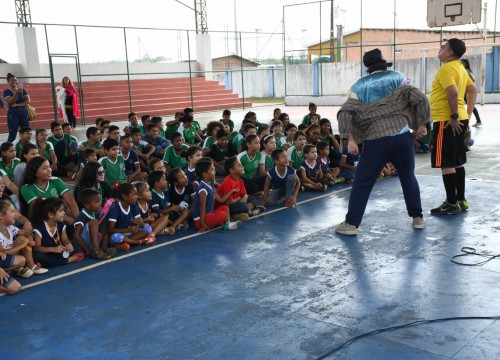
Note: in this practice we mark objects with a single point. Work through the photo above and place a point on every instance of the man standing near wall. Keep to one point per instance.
(450, 118)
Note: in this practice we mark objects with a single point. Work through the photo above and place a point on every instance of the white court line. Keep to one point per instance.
(153, 247)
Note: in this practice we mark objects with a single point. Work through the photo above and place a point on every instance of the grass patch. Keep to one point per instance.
(267, 100)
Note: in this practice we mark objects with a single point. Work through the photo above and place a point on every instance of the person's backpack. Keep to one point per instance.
(105, 209)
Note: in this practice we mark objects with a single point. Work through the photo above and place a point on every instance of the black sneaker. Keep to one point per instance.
(446, 209)
(258, 210)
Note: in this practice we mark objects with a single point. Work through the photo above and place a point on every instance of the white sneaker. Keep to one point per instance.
(346, 229)
(232, 225)
(418, 223)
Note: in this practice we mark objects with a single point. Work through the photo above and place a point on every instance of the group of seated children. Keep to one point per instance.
(151, 180)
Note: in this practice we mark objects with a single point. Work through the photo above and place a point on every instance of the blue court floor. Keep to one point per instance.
(286, 286)
(283, 287)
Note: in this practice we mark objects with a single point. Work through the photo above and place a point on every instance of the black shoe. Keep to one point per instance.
(446, 209)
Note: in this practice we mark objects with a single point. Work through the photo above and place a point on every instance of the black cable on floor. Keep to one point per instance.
(418, 322)
(470, 251)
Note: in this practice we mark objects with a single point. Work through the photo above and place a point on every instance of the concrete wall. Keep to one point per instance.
(306, 83)
(105, 71)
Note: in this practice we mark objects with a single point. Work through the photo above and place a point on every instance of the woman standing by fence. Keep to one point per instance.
(17, 98)
(71, 108)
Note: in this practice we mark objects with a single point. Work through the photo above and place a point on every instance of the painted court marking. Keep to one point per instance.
(151, 248)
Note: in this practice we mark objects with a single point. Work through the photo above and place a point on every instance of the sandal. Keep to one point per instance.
(168, 231)
(101, 255)
(24, 272)
(38, 269)
(150, 239)
(111, 251)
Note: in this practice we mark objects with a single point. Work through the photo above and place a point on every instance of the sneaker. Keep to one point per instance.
(477, 124)
(183, 226)
(240, 217)
(258, 210)
(122, 246)
(464, 204)
(232, 225)
(346, 229)
(339, 180)
(446, 209)
(418, 223)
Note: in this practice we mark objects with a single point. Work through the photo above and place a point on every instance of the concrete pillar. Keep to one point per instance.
(204, 54)
(27, 49)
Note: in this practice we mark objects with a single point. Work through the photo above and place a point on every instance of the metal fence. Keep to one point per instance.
(290, 61)
(359, 26)
(95, 55)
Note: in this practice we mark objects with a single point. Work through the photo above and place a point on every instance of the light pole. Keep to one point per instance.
(304, 56)
(257, 44)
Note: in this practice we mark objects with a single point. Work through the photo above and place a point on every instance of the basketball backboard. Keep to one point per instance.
(453, 12)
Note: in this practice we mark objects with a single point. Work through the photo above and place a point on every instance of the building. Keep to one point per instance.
(231, 61)
(410, 43)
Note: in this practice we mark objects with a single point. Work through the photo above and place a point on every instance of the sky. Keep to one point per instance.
(259, 20)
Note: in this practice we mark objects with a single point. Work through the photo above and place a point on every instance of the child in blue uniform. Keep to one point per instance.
(204, 214)
(329, 173)
(52, 246)
(193, 155)
(282, 183)
(160, 202)
(310, 170)
(86, 225)
(159, 224)
(125, 225)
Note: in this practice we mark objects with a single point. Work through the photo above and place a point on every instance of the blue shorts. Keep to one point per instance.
(7, 263)
(8, 282)
(86, 237)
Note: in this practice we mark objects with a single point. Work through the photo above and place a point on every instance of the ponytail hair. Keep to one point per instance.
(124, 189)
(41, 208)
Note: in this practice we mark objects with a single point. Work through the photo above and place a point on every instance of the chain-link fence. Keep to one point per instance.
(161, 71)
(155, 71)
(320, 62)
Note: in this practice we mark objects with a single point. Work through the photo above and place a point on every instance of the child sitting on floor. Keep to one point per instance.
(193, 155)
(160, 202)
(113, 163)
(204, 214)
(52, 245)
(125, 225)
(296, 152)
(282, 183)
(232, 192)
(221, 151)
(173, 157)
(310, 170)
(181, 192)
(330, 174)
(131, 160)
(86, 225)
(159, 224)
(14, 241)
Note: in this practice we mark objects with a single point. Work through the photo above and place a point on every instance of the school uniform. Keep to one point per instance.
(83, 219)
(282, 185)
(50, 239)
(213, 218)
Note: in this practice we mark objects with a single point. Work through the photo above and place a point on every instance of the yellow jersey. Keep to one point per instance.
(450, 73)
